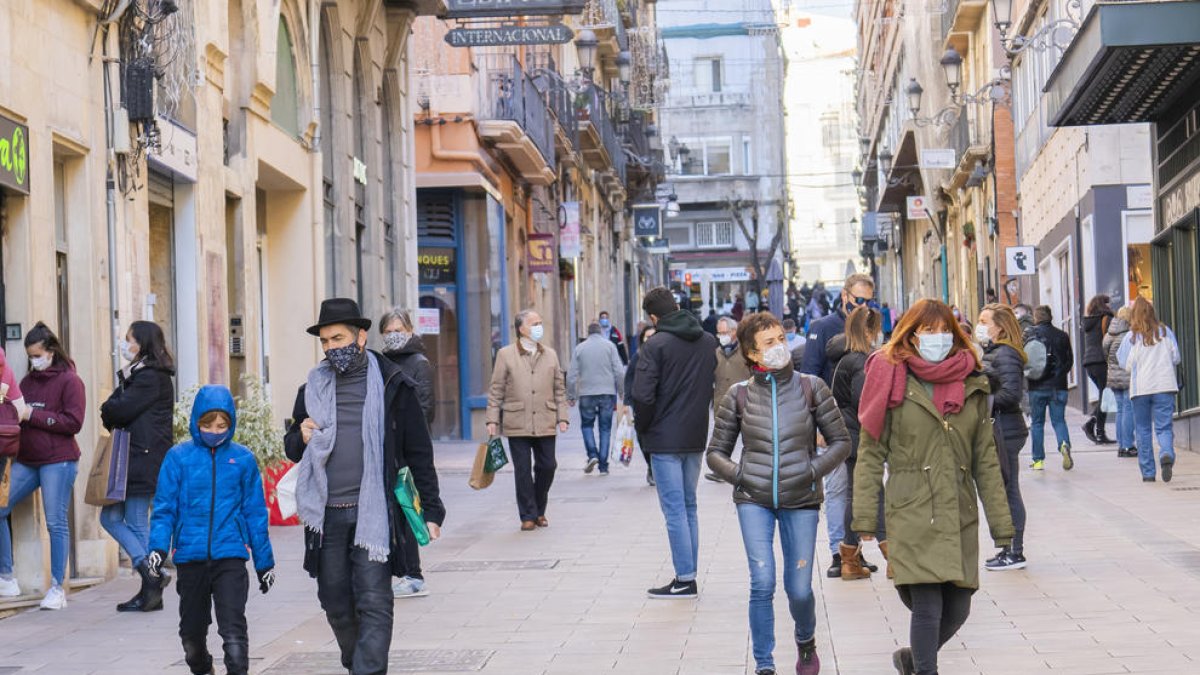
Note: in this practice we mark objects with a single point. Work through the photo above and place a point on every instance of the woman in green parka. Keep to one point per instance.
(924, 413)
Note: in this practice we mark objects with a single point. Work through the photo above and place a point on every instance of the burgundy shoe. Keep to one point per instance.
(808, 663)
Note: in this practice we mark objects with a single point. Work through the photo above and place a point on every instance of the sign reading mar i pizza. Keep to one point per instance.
(473, 9)
(14, 155)
(509, 35)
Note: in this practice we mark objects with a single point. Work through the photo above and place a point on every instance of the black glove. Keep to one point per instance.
(154, 563)
(266, 579)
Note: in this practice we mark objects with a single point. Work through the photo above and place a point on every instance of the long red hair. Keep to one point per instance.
(926, 313)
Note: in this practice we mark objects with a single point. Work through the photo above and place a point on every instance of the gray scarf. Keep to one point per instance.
(312, 485)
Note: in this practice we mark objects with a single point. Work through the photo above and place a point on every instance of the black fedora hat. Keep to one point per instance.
(339, 310)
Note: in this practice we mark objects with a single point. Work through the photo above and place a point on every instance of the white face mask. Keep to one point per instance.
(536, 333)
(395, 341)
(982, 335)
(725, 339)
(41, 362)
(127, 351)
(776, 358)
(934, 347)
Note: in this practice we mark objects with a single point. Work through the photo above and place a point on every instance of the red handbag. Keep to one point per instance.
(10, 430)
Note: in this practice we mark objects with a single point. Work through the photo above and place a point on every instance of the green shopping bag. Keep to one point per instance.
(496, 457)
(410, 503)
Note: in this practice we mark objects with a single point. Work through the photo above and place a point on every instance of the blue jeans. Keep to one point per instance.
(675, 477)
(591, 409)
(837, 491)
(1056, 401)
(55, 480)
(129, 523)
(1124, 419)
(1152, 417)
(798, 533)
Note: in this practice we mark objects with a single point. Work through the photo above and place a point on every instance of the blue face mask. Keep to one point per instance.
(605, 323)
(213, 440)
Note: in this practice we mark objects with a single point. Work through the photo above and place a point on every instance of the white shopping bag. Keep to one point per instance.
(285, 492)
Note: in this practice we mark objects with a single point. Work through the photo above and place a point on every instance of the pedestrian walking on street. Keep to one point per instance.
(647, 331)
(1049, 392)
(406, 349)
(858, 290)
(48, 457)
(999, 334)
(849, 352)
(731, 368)
(596, 380)
(210, 511)
(1095, 327)
(527, 402)
(1150, 353)
(356, 423)
(612, 334)
(143, 404)
(1118, 382)
(672, 392)
(777, 481)
(924, 414)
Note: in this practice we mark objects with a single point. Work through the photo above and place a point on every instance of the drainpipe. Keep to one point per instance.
(110, 186)
(441, 153)
(318, 194)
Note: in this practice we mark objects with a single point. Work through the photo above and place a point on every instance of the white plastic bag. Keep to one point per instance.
(285, 492)
(621, 446)
(1108, 401)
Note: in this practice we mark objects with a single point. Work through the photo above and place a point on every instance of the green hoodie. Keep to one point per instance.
(681, 323)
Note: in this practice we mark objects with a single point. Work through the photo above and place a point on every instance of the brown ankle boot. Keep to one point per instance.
(884, 551)
(852, 567)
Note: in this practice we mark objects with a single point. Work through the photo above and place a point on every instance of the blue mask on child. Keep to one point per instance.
(213, 440)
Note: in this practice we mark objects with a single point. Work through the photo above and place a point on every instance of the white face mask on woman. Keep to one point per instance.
(776, 358)
(127, 352)
(395, 340)
(41, 362)
(934, 347)
(982, 335)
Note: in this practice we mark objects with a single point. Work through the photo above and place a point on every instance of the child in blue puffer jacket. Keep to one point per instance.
(209, 509)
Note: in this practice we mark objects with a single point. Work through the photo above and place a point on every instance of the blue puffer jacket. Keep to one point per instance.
(209, 504)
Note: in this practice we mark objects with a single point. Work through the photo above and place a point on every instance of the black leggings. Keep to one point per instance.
(1098, 374)
(938, 611)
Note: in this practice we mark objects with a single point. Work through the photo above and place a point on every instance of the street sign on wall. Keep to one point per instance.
(647, 220)
(939, 158)
(472, 9)
(1021, 261)
(917, 208)
(505, 36)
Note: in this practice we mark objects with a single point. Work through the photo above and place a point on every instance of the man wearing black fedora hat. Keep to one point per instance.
(356, 423)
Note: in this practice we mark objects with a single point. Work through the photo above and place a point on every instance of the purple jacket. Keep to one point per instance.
(58, 401)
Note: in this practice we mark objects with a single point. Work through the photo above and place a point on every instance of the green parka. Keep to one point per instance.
(935, 465)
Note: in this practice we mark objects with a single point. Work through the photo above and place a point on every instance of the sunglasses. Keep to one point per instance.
(859, 301)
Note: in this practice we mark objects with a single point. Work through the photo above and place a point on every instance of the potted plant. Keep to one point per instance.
(566, 270)
(968, 230)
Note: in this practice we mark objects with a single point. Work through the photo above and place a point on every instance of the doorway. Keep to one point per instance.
(160, 304)
(437, 322)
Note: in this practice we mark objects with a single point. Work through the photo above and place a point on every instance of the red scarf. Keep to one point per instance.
(886, 383)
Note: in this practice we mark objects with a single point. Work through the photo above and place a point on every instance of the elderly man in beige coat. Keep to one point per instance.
(527, 402)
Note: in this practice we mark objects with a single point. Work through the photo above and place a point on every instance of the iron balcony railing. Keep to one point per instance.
(596, 112)
(509, 94)
(559, 99)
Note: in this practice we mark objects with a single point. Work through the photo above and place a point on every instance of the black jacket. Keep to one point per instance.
(849, 375)
(1005, 370)
(1094, 328)
(406, 442)
(673, 385)
(417, 368)
(819, 334)
(144, 405)
(629, 373)
(1058, 344)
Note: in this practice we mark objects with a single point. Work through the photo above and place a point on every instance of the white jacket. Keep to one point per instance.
(1151, 368)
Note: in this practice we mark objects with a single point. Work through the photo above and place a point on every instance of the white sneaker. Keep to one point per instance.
(9, 588)
(409, 587)
(55, 598)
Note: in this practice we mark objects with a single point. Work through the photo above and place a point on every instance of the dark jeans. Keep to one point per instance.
(938, 611)
(591, 410)
(850, 538)
(356, 595)
(222, 585)
(1010, 465)
(534, 466)
(1041, 400)
(1098, 373)
(412, 554)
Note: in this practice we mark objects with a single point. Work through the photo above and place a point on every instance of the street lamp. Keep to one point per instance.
(944, 117)
(952, 64)
(624, 67)
(673, 205)
(978, 174)
(1057, 33)
(914, 92)
(857, 175)
(586, 47)
(1002, 16)
(885, 161)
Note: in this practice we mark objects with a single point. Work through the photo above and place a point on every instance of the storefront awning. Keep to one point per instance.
(1130, 62)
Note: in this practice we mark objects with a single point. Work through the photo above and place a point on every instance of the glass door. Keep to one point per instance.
(437, 321)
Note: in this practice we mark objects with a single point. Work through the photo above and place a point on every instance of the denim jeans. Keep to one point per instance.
(1152, 417)
(837, 498)
(356, 594)
(129, 523)
(1056, 401)
(593, 409)
(1124, 419)
(798, 533)
(55, 480)
(675, 477)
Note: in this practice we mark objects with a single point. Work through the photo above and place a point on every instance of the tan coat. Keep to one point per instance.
(528, 396)
(731, 369)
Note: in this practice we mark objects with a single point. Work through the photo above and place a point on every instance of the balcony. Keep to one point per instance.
(560, 101)
(710, 99)
(605, 19)
(962, 16)
(598, 137)
(514, 118)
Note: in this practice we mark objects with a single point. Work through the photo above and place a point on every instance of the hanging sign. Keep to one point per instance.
(917, 208)
(539, 253)
(647, 220)
(505, 36)
(14, 155)
(473, 9)
(1021, 261)
(569, 245)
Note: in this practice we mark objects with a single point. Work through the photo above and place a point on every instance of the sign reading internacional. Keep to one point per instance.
(470, 9)
(509, 35)
(14, 155)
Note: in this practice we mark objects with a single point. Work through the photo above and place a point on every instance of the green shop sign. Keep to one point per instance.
(14, 155)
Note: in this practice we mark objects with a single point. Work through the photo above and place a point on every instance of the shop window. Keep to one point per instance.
(285, 106)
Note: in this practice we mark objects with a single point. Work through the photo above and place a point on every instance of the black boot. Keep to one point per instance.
(835, 567)
(138, 602)
(237, 658)
(195, 652)
(1089, 429)
(1102, 436)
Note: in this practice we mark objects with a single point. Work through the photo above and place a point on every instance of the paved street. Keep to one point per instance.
(1113, 587)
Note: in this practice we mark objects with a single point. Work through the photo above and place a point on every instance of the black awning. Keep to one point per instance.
(1130, 62)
